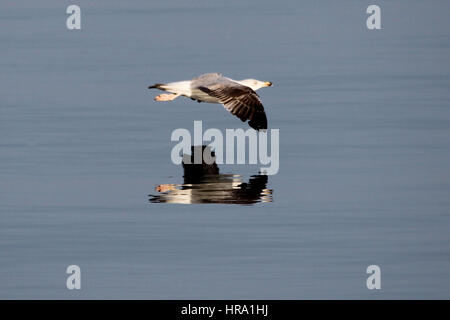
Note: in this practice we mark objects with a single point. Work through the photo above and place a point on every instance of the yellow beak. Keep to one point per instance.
(268, 84)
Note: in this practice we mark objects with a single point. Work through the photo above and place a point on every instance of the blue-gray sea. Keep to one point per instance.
(364, 178)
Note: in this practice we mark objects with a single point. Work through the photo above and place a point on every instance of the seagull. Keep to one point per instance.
(237, 96)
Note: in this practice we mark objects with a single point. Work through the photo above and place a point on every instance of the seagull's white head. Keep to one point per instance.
(255, 84)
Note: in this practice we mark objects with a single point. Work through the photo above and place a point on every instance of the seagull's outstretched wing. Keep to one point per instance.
(240, 100)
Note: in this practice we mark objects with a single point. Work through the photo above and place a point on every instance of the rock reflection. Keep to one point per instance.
(204, 184)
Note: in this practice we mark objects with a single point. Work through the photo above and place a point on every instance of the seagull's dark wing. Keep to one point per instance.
(240, 100)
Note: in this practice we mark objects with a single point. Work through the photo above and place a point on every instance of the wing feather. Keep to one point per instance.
(240, 101)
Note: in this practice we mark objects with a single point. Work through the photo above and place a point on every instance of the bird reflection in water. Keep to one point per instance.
(204, 184)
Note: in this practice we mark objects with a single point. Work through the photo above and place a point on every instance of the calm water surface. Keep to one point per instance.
(364, 119)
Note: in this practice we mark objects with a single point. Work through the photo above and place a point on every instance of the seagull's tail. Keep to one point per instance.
(180, 87)
(157, 86)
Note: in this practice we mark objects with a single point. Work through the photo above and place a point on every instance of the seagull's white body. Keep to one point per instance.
(184, 88)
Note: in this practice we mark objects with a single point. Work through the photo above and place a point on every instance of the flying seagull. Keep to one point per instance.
(238, 97)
